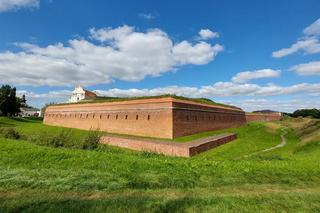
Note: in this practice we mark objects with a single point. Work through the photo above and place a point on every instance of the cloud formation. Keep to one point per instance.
(205, 34)
(243, 77)
(311, 68)
(240, 89)
(288, 105)
(7, 5)
(40, 99)
(217, 91)
(313, 29)
(112, 53)
(308, 44)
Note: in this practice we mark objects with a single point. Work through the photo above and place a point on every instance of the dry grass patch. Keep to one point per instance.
(272, 127)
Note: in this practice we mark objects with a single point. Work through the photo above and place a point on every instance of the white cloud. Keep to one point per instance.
(205, 34)
(200, 53)
(313, 29)
(115, 53)
(111, 34)
(148, 16)
(311, 68)
(246, 76)
(287, 105)
(309, 44)
(40, 99)
(6, 5)
(219, 89)
(215, 91)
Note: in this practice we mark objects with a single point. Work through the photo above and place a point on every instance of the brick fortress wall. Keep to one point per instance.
(190, 118)
(150, 117)
(159, 117)
(263, 116)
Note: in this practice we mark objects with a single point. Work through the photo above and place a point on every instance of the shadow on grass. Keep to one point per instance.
(125, 204)
(94, 203)
(3, 124)
(27, 120)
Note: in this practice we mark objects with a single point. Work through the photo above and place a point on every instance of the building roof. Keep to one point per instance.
(29, 109)
(90, 94)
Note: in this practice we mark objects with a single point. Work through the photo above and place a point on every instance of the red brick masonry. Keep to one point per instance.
(276, 116)
(187, 149)
(155, 117)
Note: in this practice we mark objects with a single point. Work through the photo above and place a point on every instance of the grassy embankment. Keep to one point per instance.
(37, 178)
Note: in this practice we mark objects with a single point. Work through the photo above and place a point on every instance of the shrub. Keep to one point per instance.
(62, 138)
(10, 133)
(92, 140)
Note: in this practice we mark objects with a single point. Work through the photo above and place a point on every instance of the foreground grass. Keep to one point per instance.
(210, 200)
(37, 178)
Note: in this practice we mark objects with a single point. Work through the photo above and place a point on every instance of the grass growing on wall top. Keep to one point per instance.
(101, 99)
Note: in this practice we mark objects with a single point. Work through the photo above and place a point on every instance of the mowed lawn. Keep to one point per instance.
(235, 177)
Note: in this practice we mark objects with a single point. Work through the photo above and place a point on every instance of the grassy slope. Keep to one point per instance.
(37, 178)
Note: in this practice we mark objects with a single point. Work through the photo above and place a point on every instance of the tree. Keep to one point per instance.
(315, 113)
(9, 103)
(24, 101)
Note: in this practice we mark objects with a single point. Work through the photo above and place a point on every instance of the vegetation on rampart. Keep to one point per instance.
(101, 99)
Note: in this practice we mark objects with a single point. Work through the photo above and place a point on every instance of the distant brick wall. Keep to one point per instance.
(263, 116)
(160, 118)
(189, 118)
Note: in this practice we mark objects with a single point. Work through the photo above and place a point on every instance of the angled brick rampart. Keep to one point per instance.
(155, 117)
(186, 149)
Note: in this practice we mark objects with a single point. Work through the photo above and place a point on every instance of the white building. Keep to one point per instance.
(29, 112)
(79, 94)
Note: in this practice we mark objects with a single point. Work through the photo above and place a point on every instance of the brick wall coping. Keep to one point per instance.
(144, 101)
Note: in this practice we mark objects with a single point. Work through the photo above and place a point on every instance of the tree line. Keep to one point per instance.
(315, 113)
(10, 104)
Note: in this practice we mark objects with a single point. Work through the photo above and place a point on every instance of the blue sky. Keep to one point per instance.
(253, 54)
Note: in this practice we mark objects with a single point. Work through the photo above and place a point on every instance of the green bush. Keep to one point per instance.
(92, 140)
(65, 138)
(61, 139)
(10, 133)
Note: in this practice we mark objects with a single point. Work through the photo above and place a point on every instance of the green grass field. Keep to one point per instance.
(235, 177)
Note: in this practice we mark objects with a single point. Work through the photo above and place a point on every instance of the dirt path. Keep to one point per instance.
(282, 143)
